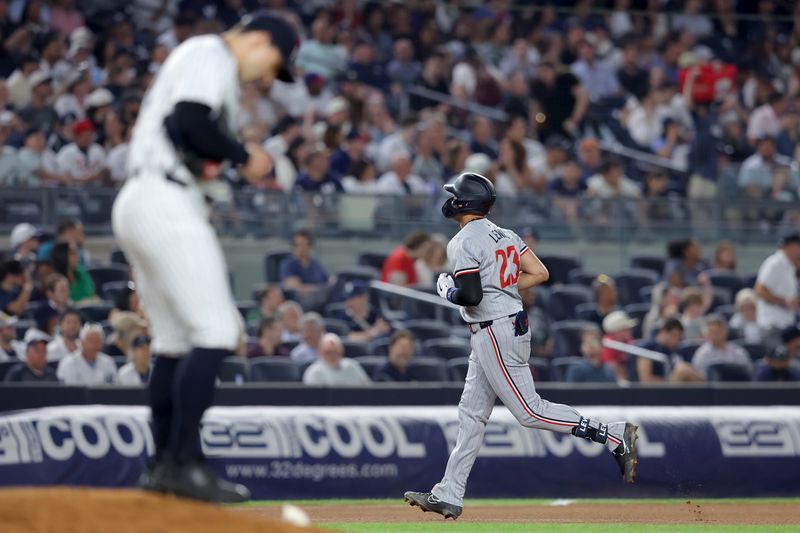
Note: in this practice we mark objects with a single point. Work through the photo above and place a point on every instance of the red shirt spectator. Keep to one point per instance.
(399, 265)
(617, 326)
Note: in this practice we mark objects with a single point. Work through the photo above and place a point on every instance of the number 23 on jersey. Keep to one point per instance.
(504, 257)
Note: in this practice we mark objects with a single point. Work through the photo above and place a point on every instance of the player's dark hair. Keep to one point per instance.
(672, 324)
(416, 239)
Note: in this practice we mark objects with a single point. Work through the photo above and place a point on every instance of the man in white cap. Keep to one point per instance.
(34, 369)
(90, 366)
(25, 243)
(617, 326)
(39, 113)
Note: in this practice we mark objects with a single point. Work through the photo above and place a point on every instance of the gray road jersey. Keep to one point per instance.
(496, 253)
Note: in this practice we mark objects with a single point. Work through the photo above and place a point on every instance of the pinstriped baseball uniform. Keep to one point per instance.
(160, 218)
(498, 364)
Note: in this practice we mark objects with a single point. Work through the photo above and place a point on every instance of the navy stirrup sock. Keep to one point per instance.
(159, 395)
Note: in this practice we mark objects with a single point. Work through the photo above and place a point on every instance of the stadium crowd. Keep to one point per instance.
(680, 318)
(394, 98)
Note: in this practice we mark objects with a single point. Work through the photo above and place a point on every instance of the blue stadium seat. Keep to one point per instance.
(272, 264)
(564, 299)
(370, 363)
(582, 277)
(567, 336)
(585, 311)
(687, 349)
(560, 365)
(630, 282)
(729, 281)
(233, 370)
(457, 368)
(339, 327)
(540, 369)
(355, 348)
(447, 348)
(22, 326)
(95, 312)
(5, 366)
(750, 280)
(117, 257)
(653, 263)
(637, 311)
(379, 346)
(755, 350)
(372, 259)
(728, 372)
(274, 369)
(112, 289)
(424, 330)
(105, 274)
(363, 274)
(120, 360)
(427, 369)
(560, 267)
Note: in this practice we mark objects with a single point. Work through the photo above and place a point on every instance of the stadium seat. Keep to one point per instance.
(355, 348)
(290, 345)
(727, 281)
(371, 362)
(582, 277)
(5, 366)
(272, 264)
(112, 289)
(363, 274)
(630, 282)
(120, 360)
(379, 346)
(457, 368)
(560, 365)
(95, 312)
(653, 263)
(540, 369)
(585, 311)
(447, 348)
(245, 307)
(275, 369)
(372, 259)
(637, 311)
(427, 369)
(424, 330)
(727, 310)
(233, 370)
(728, 372)
(750, 280)
(567, 336)
(687, 349)
(334, 310)
(104, 274)
(339, 327)
(117, 257)
(559, 267)
(564, 299)
(755, 350)
(646, 294)
(22, 326)
(722, 297)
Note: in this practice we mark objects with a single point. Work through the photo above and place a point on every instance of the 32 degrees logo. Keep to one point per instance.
(758, 439)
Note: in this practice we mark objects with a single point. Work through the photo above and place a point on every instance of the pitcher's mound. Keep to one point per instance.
(74, 510)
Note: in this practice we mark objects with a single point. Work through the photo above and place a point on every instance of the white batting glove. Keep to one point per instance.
(444, 284)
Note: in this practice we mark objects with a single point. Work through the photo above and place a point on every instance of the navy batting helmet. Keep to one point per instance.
(472, 193)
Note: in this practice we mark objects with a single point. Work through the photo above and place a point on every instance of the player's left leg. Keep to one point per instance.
(506, 365)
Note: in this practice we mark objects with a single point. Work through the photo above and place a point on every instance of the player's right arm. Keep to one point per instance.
(533, 271)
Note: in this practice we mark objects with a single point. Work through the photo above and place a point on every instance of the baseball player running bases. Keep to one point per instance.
(160, 220)
(490, 264)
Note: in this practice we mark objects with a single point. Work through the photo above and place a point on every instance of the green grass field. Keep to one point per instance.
(790, 506)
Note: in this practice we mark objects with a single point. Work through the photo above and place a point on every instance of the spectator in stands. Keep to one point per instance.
(401, 351)
(559, 101)
(618, 327)
(364, 321)
(362, 179)
(429, 144)
(312, 327)
(760, 171)
(606, 298)
(483, 138)
(399, 268)
(541, 342)
(666, 342)
(597, 77)
(724, 257)
(351, 152)
(399, 180)
(777, 289)
(589, 157)
(34, 369)
(42, 270)
(137, 370)
(46, 319)
(66, 341)
(300, 271)
(24, 243)
(717, 349)
(779, 364)
(317, 176)
(82, 161)
(39, 113)
(289, 315)
(8, 155)
(15, 288)
(610, 182)
(66, 262)
(694, 305)
(333, 369)
(125, 326)
(70, 230)
(57, 292)
(433, 263)
(592, 369)
(127, 300)
(8, 336)
(567, 187)
(685, 263)
(745, 319)
(765, 120)
(546, 168)
(270, 299)
(319, 53)
(269, 339)
(91, 366)
(403, 69)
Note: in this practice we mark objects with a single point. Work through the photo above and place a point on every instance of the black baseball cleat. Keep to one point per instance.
(428, 502)
(625, 454)
(153, 475)
(196, 481)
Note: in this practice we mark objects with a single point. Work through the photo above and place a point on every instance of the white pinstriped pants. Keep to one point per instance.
(498, 366)
(178, 264)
